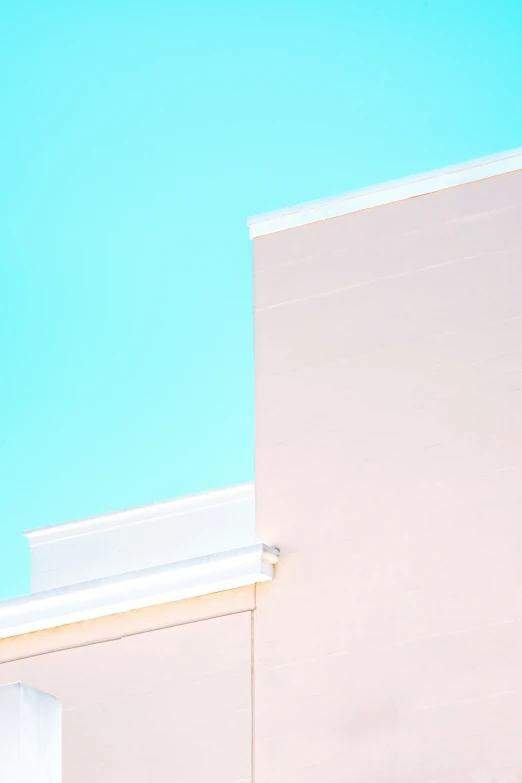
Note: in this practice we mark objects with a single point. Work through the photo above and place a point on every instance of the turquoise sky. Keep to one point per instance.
(136, 137)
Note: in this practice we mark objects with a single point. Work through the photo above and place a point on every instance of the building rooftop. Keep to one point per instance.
(385, 193)
(140, 557)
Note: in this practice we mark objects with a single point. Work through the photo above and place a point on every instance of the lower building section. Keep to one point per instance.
(173, 704)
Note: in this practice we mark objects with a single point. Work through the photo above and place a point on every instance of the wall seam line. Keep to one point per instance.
(253, 689)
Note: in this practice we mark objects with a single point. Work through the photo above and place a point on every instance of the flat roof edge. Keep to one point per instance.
(385, 193)
(146, 512)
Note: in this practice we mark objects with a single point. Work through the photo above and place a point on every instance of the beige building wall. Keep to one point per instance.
(388, 360)
(154, 704)
(388, 648)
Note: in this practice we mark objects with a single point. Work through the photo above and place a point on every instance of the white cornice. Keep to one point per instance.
(138, 589)
(386, 193)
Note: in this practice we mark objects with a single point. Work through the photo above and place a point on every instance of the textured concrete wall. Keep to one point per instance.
(167, 705)
(388, 358)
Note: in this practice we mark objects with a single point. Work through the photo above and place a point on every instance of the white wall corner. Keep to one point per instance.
(30, 735)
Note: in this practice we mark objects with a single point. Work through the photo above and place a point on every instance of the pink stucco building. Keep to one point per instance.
(356, 617)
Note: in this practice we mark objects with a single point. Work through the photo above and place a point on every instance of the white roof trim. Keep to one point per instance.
(138, 589)
(386, 193)
(139, 514)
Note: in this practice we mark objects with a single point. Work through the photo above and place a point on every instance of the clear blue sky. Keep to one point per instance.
(136, 137)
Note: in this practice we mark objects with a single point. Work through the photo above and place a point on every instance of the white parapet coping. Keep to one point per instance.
(137, 589)
(386, 193)
(30, 735)
(137, 538)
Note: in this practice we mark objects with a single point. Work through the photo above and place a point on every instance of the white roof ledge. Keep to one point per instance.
(150, 512)
(153, 535)
(386, 193)
(138, 589)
